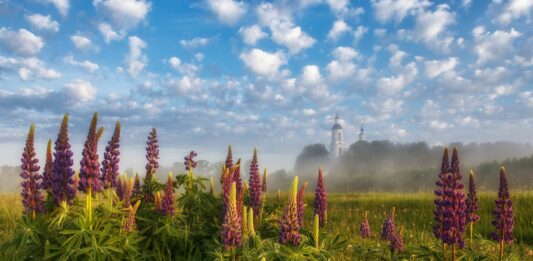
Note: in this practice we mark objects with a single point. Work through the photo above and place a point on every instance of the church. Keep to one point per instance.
(337, 146)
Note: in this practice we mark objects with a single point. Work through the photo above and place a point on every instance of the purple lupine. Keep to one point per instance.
(364, 227)
(189, 161)
(289, 228)
(167, 204)
(89, 165)
(31, 194)
(46, 183)
(231, 228)
(387, 231)
(256, 192)
(321, 199)
(472, 205)
(440, 196)
(396, 243)
(152, 154)
(62, 176)
(111, 160)
(264, 184)
(503, 214)
(227, 179)
(236, 177)
(455, 205)
(229, 159)
(137, 186)
(301, 204)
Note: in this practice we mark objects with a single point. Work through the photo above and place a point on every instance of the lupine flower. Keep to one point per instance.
(264, 184)
(152, 156)
(89, 165)
(289, 228)
(387, 231)
(301, 204)
(321, 199)
(189, 161)
(226, 187)
(236, 177)
(31, 194)
(244, 222)
(251, 229)
(111, 160)
(471, 205)
(316, 231)
(255, 188)
(128, 189)
(364, 227)
(229, 159)
(396, 244)
(137, 186)
(440, 196)
(157, 201)
(46, 183)
(129, 224)
(231, 228)
(450, 205)
(62, 181)
(167, 205)
(503, 214)
(120, 188)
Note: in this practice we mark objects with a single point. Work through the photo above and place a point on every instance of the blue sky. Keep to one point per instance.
(265, 74)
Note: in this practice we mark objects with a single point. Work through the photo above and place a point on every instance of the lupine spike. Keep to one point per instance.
(62, 178)
(364, 227)
(189, 161)
(129, 224)
(89, 165)
(46, 183)
(137, 186)
(128, 189)
(167, 205)
(503, 214)
(321, 201)
(231, 228)
(316, 231)
(472, 205)
(110, 164)
(119, 188)
(387, 231)
(289, 228)
(251, 229)
(157, 200)
(152, 156)
(301, 204)
(264, 184)
(245, 222)
(396, 244)
(229, 158)
(255, 188)
(236, 177)
(31, 194)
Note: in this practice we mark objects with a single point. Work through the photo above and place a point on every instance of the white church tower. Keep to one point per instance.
(337, 139)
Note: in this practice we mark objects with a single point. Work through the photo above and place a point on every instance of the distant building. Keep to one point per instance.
(362, 134)
(337, 139)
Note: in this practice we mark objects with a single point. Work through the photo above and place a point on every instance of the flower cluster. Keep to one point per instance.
(387, 231)
(129, 223)
(190, 163)
(46, 183)
(289, 228)
(503, 212)
(111, 160)
(301, 204)
(152, 154)
(321, 203)
(471, 200)
(231, 228)
(31, 194)
(127, 190)
(364, 227)
(256, 191)
(136, 186)
(62, 175)
(396, 243)
(89, 165)
(167, 204)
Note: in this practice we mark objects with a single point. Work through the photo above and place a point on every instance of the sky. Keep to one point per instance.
(270, 75)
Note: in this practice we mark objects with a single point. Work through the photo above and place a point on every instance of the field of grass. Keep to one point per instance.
(413, 212)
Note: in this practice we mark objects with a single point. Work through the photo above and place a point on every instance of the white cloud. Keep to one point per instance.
(62, 6)
(338, 71)
(123, 14)
(386, 10)
(308, 112)
(252, 34)
(344, 53)
(493, 46)
(82, 43)
(439, 125)
(86, 64)
(359, 32)
(109, 34)
(227, 11)
(435, 68)
(514, 10)
(136, 60)
(21, 42)
(184, 68)
(80, 91)
(263, 63)
(194, 43)
(430, 27)
(315, 88)
(284, 32)
(337, 5)
(338, 29)
(394, 84)
(43, 22)
(186, 84)
(28, 68)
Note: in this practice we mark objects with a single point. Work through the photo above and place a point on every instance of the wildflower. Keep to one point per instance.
(289, 228)
(120, 188)
(396, 244)
(245, 222)
(167, 205)
(190, 163)
(111, 160)
(364, 227)
(157, 201)
(236, 177)
(129, 224)
(231, 228)
(152, 156)
(46, 183)
(472, 205)
(321, 204)
(255, 188)
(301, 204)
(136, 187)
(62, 180)
(387, 231)
(264, 184)
(251, 229)
(89, 165)
(316, 229)
(229, 159)
(128, 189)
(31, 194)
(503, 214)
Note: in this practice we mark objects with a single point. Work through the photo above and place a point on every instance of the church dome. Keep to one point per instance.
(336, 127)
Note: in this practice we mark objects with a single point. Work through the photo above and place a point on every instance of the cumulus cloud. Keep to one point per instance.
(194, 43)
(252, 34)
(135, 59)
(82, 43)
(28, 68)
(315, 87)
(185, 85)
(227, 11)
(434, 68)
(344, 53)
(123, 14)
(339, 28)
(109, 34)
(43, 23)
(493, 46)
(342, 68)
(184, 68)
(263, 63)
(397, 10)
(62, 6)
(86, 64)
(79, 91)
(439, 125)
(430, 27)
(394, 84)
(21, 42)
(515, 9)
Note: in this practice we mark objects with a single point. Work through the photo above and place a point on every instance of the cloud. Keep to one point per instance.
(82, 43)
(28, 68)
(194, 43)
(86, 64)
(338, 29)
(337, 5)
(430, 27)
(263, 63)
(184, 68)
(21, 42)
(493, 46)
(435, 68)
(109, 34)
(185, 85)
(284, 32)
(252, 34)
(135, 59)
(359, 32)
(123, 14)
(62, 6)
(514, 10)
(227, 11)
(315, 88)
(79, 91)
(386, 10)
(394, 84)
(43, 23)
(342, 68)
(439, 125)
(344, 53)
